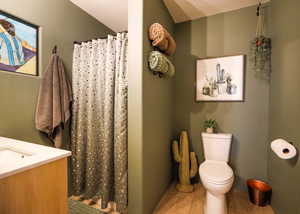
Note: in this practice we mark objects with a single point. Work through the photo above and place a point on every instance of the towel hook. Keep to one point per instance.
(54, 50)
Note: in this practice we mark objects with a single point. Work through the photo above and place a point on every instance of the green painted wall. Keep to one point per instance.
(158, 105)
(61, 23)
(150, 116)
(285, 104)
(221, 35)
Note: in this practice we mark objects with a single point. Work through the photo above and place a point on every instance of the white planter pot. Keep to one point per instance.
(210, 130)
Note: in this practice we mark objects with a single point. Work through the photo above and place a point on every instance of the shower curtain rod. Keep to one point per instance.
(104, 37)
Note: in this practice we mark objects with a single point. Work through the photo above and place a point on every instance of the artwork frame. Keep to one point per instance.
(220, 84)
(19, 45)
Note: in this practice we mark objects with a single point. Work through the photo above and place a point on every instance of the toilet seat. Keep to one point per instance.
(216, 172)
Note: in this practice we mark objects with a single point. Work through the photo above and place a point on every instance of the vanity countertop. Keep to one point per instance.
(17, 156)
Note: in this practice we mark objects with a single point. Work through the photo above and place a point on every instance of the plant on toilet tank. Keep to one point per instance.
(210, 126)
(187, 160)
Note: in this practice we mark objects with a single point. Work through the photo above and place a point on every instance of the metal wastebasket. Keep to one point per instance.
(259, 192)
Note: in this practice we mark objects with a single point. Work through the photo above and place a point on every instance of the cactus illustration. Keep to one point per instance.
(187, 163)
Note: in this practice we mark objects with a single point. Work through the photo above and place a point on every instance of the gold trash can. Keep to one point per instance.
(260, 193)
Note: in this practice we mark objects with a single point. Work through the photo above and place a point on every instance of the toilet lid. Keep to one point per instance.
(216, 171)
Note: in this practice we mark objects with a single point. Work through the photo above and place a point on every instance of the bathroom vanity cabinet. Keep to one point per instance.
(41, 190)
(33, 179)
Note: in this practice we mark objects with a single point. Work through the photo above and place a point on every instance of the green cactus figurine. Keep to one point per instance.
(187, 163)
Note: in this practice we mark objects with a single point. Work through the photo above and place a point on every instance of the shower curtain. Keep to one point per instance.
(99, 120)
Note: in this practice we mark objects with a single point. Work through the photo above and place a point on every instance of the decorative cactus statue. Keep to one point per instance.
(187, 163)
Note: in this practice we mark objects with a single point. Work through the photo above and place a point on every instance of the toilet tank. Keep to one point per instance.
(216, 146)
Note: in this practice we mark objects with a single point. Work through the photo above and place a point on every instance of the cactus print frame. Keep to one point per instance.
(220, 79)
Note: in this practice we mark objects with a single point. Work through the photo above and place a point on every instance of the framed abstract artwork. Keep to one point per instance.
(19, 41)
(220, 79)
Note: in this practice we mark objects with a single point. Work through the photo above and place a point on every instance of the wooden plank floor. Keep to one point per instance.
(86, 206)
(174, 202)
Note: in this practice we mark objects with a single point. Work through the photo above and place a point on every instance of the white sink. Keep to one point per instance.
(12, 155)
(17, 156)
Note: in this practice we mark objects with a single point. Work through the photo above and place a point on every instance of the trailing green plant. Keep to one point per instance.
(210, 123)
(260, 48)
(260, 56)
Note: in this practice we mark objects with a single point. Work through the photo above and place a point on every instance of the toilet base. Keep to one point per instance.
(215, 204)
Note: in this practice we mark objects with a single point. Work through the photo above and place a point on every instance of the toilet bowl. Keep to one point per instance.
(217, 178)
(216, 175)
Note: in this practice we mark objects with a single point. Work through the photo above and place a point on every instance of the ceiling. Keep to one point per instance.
(112, 13)
(185, 10)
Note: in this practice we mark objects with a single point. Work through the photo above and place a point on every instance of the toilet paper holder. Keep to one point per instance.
(283, 149)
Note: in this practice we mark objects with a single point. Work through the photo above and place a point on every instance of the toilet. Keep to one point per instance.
(216, 175)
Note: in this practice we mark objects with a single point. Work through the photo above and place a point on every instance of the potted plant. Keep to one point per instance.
(261, 47)
(210, 125)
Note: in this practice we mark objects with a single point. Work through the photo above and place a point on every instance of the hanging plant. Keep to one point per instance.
(260, 49)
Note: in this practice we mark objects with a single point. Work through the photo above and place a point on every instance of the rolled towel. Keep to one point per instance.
(158, 62)
(162, 39)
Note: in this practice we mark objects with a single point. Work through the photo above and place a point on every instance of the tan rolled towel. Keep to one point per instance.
(161, 38)
(54, 101)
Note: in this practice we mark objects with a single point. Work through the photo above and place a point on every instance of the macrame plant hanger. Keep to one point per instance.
(260, 22)
(261, 47)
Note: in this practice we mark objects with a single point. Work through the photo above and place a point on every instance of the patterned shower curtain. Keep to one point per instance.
(99, 120)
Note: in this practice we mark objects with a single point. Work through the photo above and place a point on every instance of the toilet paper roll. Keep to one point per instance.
(283, 149)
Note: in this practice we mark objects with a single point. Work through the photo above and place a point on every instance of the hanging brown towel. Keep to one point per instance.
(54, 101)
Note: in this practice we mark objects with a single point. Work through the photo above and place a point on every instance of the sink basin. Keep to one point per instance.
(17, 156)
(9, 154)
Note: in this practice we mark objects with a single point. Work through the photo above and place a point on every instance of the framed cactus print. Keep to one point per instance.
(19, 41)
(220, 79)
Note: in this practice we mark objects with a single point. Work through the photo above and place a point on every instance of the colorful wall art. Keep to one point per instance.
(220, 79)
(18, 45)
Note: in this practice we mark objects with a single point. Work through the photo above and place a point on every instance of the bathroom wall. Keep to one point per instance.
(61, 23)
(150, 116)
(284, 175)
(158, 105)
(220, 35)
(135, 107)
